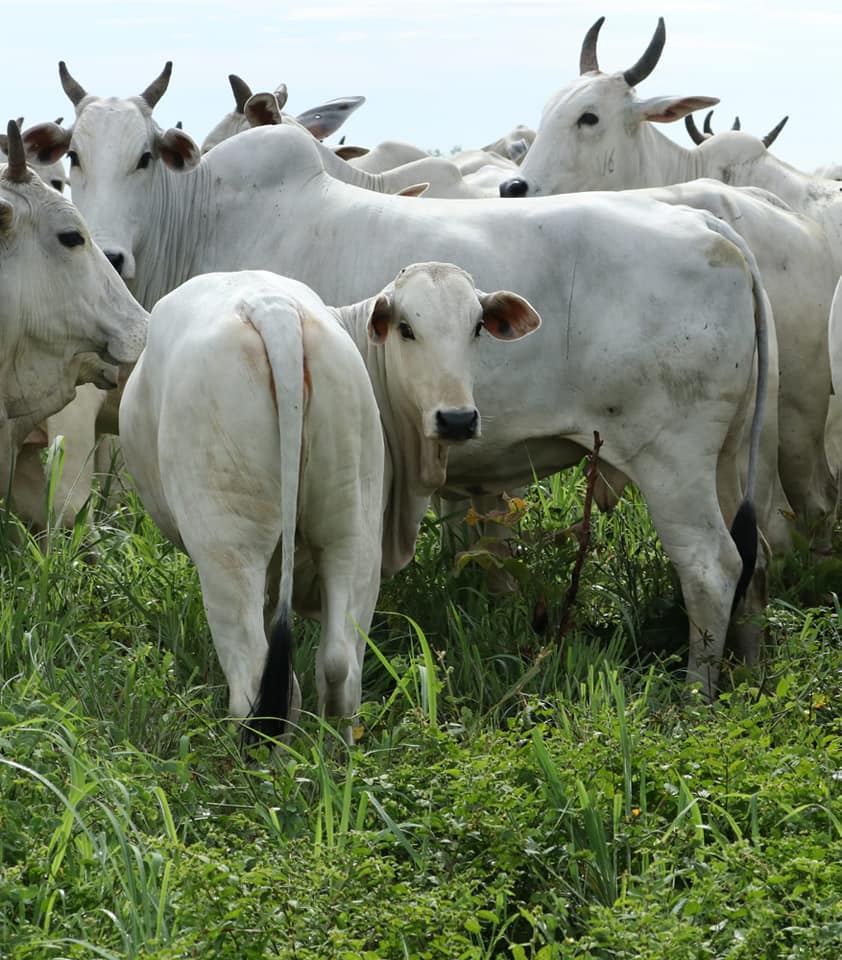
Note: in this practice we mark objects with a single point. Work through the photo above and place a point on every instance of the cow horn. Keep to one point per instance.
(16, 170)
(706, 125)
(696, 135)
(587, 58)
(771, 136)
(736, 125)
(75, 91)
(241, 91)
(647, 63)
(153, 93)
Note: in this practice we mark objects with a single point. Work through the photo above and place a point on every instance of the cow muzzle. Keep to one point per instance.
(516, 187)
(455, 426)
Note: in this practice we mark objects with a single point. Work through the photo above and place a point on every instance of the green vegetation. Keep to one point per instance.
(510, 795)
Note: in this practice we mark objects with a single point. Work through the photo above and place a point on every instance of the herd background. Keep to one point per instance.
(438, 73)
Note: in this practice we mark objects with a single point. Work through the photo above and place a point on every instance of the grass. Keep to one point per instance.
(509, 796)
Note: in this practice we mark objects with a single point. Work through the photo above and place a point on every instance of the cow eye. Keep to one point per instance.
(73, 157)
(57, 185)
(405, 330)
(71, 238)
(478, 329)
(143, 163)
(588, 120)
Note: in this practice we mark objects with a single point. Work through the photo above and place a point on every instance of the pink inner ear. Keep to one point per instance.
(507, 317)
(680, 108)
(378, 324)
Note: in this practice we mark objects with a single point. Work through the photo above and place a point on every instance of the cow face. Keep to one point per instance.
(59, 296)
(430, 321)
(595, 133)
(116, 151)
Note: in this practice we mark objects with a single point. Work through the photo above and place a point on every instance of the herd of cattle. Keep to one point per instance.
(291, 448)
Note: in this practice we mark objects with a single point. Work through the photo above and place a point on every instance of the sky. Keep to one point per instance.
(437, 73)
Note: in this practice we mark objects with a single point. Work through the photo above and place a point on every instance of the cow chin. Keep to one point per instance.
(433, 464)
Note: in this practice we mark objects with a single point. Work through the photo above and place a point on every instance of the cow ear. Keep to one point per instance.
(415, 190)
(349, 152)
(507, 316)
(281, 95)
(380, 318)
(46, 142)
(7, 216)
(669, 109)
(178, 150)
(262, 110)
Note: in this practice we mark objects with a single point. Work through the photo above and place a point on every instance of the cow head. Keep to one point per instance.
(116, 152)
(595, 133)
(59, 298)
(429, 321)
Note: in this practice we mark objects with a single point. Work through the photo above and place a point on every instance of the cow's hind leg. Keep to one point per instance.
(683, 502)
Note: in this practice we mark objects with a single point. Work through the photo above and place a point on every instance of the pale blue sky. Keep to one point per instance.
(438, 72)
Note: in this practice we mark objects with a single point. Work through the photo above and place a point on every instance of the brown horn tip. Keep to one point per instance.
(647, 63)
(696, 135)
(772, 135)
(16, 169)
(588, 62)
(153, 93)
(75, 91)
(241, 91)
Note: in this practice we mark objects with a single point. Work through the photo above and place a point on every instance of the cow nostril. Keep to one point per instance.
(456, 424)
(516, 187)
(116, 260)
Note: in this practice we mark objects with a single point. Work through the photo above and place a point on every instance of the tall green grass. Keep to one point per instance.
(510, 794)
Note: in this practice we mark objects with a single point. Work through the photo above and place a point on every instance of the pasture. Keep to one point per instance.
(510, 795)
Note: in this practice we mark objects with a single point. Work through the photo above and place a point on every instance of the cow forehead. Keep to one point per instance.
(113, 123)
(435, 292)
(595, 91)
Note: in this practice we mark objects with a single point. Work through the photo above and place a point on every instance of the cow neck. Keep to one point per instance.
(663, 161)
(405, 501)
(180, 205)
(340, 169)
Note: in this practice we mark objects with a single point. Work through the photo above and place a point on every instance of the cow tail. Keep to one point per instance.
(744, 527)
(280, 329)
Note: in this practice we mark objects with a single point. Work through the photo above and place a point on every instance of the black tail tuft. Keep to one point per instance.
(274, 698)
(744, 535)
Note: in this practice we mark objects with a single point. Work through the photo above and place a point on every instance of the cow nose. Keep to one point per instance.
(116, 260)
(456, 424)
(516, 187)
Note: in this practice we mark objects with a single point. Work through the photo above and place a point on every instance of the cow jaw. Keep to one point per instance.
(433, 464)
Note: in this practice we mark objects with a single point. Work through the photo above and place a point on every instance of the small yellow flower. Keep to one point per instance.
(635, 812)
(472, 518)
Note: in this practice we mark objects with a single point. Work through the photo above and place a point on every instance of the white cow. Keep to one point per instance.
(649, 310)
(59, 299)
(321, 121)
(251, 428)
(596, 133)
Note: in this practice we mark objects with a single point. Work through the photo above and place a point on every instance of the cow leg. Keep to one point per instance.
(684, 506)
(77, 424)
(233, 588)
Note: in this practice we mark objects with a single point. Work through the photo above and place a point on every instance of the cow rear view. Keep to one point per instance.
(249, 422)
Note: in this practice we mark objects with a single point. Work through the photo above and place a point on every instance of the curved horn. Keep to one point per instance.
(16, 163)
(75, 91)
(771, 136)
(706, 125)
(696, 135)
(241, 91)
(647, 63)
(587, 58)
(153, 93)
(736, 125)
